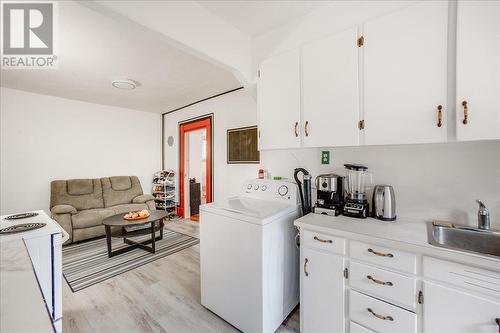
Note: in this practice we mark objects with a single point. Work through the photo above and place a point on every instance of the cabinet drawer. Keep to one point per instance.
(394, 287)
(380, 316)
(324, 242)
(477, 279)
(391, 258)
(356, 328)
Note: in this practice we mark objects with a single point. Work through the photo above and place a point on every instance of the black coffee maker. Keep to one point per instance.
(330, 194)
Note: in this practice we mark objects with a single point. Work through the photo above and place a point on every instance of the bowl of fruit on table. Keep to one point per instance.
(137, 215)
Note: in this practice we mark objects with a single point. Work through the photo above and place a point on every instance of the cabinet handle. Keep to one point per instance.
(323, 240)
(306, 273)
(466, 112)
(380, 254)
(440, 116)
(306, 127)
(388, 283)
(296, 129)
(380, 316)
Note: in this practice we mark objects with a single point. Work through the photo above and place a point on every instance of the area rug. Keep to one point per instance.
(87, 263)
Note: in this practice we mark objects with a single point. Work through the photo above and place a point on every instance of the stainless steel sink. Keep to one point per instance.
(463, 238)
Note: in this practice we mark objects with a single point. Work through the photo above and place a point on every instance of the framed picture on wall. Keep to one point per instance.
(242, 145)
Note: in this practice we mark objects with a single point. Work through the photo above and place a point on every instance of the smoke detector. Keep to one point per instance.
(125, 84)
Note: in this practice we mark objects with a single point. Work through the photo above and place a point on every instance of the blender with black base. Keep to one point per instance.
(356, 204)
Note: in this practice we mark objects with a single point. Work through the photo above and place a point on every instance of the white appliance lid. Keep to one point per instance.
(253, 208)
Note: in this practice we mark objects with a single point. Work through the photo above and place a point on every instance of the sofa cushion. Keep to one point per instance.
(64, 220)
(87, 233)
(143, 198)
(120, 190)
(120, 183)
(63, 209)
(91, 217)
(79, 193)
(80, 186)
(122, 209)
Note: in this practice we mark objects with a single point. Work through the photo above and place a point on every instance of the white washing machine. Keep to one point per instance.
(248, 257)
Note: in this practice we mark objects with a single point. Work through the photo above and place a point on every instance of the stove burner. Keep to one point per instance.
(21, 227)
(20, 216)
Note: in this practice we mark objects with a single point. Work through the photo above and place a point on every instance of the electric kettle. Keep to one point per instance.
(384, 203)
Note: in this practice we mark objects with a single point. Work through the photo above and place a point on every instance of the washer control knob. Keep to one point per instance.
(256, 187)
(264, 187)
(283, 190)
(249, 186)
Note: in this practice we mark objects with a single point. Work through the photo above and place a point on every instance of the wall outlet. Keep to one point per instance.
(325, 157)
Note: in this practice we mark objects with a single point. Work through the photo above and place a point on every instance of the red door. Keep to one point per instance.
(204, 123)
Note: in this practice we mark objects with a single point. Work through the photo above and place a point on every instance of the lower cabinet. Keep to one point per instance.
(372, 288)
(322, 285)
(455, 311)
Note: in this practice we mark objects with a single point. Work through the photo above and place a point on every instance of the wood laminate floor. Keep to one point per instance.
(162, 296)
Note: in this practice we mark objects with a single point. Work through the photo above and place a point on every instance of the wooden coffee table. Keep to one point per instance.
(115, 227)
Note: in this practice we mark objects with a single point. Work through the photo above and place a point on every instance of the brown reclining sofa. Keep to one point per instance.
(80, 205)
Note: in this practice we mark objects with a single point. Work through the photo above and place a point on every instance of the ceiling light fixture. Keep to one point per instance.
(125, 84)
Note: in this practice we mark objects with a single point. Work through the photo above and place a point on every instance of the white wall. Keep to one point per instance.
(431, 181)
(44, 138)
(236, 109)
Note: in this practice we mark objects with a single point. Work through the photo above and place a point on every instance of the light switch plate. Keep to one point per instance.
(325, 157)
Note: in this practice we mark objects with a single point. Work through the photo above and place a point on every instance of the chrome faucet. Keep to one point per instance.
(483, 216)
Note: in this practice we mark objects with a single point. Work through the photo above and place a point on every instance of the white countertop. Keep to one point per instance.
(22, 306)
(404, 233)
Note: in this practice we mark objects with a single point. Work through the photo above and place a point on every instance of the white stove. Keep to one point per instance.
(44, 247)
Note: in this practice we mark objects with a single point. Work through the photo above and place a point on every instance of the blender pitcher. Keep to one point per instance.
(357, 181)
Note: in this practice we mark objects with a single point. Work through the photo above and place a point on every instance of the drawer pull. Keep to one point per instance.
(380, 254)
(296, 129)
(305, 267)
(388, 283)
(380, 316)
(323, 240)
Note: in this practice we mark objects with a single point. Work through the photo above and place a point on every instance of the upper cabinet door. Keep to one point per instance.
(279, 101)
(330, 91)
(478, 70)
(405, 71)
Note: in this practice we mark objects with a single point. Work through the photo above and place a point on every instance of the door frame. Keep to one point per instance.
(202, 122)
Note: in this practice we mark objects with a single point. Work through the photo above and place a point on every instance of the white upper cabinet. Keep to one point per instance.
(478, 70)
(279, 101)
(405, 75)
(330, 92)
